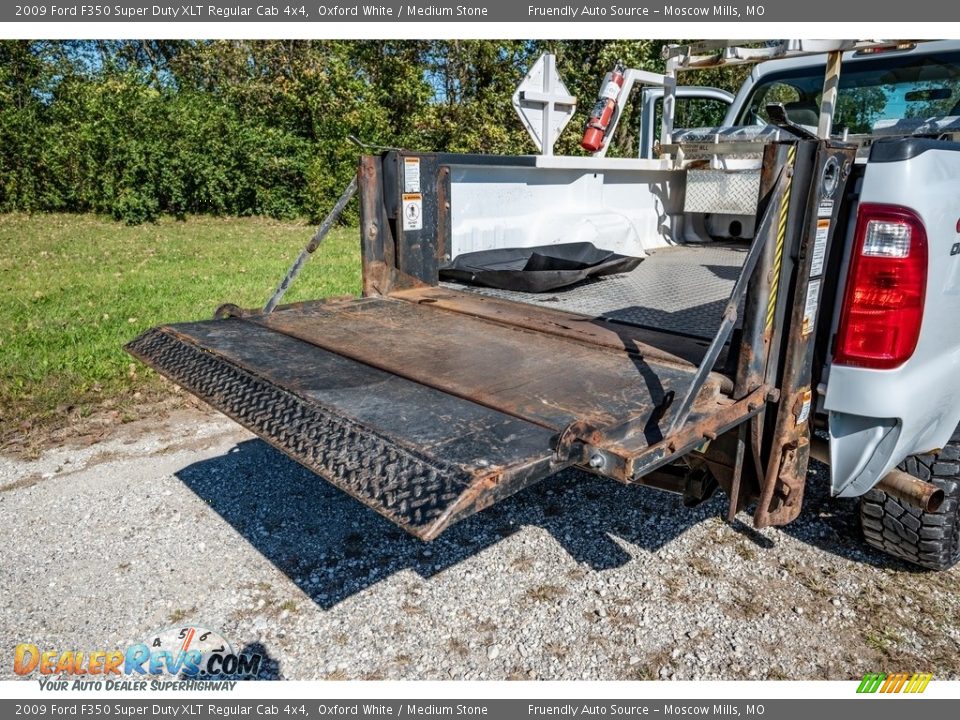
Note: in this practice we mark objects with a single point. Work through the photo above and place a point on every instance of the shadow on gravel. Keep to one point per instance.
(833, 525)
(269, 667)
(332, 546)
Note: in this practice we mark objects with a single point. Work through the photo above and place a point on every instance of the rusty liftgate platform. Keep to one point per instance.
(422, 411)
(429, 404)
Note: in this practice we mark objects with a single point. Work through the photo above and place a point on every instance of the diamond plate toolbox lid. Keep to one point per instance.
(722, 192)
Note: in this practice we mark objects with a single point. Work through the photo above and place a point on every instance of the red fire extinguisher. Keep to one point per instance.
(603, 110)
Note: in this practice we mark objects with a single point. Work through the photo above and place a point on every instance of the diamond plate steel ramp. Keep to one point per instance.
(422, 458)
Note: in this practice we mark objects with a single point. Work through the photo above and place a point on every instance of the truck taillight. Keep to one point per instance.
(883, 301)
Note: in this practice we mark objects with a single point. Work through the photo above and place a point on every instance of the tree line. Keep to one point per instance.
(138, 129)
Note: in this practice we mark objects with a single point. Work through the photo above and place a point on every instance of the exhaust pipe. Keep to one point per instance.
(896, 483)
(906, 487)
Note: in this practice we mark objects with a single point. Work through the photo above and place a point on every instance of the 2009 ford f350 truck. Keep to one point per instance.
(800, 279)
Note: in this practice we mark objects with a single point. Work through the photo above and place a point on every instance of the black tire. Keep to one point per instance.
(928, 539)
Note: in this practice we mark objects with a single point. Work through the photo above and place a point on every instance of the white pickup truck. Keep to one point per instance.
(889, 388)
(795, 276)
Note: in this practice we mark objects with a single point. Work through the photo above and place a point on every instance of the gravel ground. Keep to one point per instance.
(189, 518)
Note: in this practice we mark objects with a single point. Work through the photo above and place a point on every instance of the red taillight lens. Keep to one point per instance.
(883, 302)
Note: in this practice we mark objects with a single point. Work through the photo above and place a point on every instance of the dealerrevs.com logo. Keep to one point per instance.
(172, 659)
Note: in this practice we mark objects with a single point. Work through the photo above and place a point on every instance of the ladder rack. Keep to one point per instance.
(721, 53)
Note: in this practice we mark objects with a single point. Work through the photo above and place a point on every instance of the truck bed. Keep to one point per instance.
(680, 290)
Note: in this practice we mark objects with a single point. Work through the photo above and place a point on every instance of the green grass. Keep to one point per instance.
(75, 288)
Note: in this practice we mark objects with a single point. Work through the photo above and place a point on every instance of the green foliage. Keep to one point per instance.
(138, 129)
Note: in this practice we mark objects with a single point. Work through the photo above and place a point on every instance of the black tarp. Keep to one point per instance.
(536, 269)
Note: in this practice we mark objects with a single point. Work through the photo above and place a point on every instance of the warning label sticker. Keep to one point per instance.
(810, 308)
(412, 211)
(820, 247)
(411, 175)
(825, 208)
(804, 413)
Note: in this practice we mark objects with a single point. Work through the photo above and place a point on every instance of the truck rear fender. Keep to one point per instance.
(879, 417)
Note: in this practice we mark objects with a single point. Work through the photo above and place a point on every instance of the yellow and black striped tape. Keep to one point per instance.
(781, 238)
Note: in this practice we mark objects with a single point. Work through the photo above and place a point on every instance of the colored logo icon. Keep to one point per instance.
(895, 683)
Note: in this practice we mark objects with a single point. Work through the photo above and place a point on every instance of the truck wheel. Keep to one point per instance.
(928, 539)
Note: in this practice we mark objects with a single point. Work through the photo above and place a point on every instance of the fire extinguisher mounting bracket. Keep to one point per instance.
(632, 77)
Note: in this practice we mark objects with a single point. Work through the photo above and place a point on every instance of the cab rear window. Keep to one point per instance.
(887, 87)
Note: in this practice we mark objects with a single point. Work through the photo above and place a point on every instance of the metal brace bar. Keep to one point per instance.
(668, 114)
(828, 99)
(733, 304)
(702, 149)
(311, 247)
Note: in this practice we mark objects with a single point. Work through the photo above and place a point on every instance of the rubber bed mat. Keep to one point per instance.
(536, 269)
